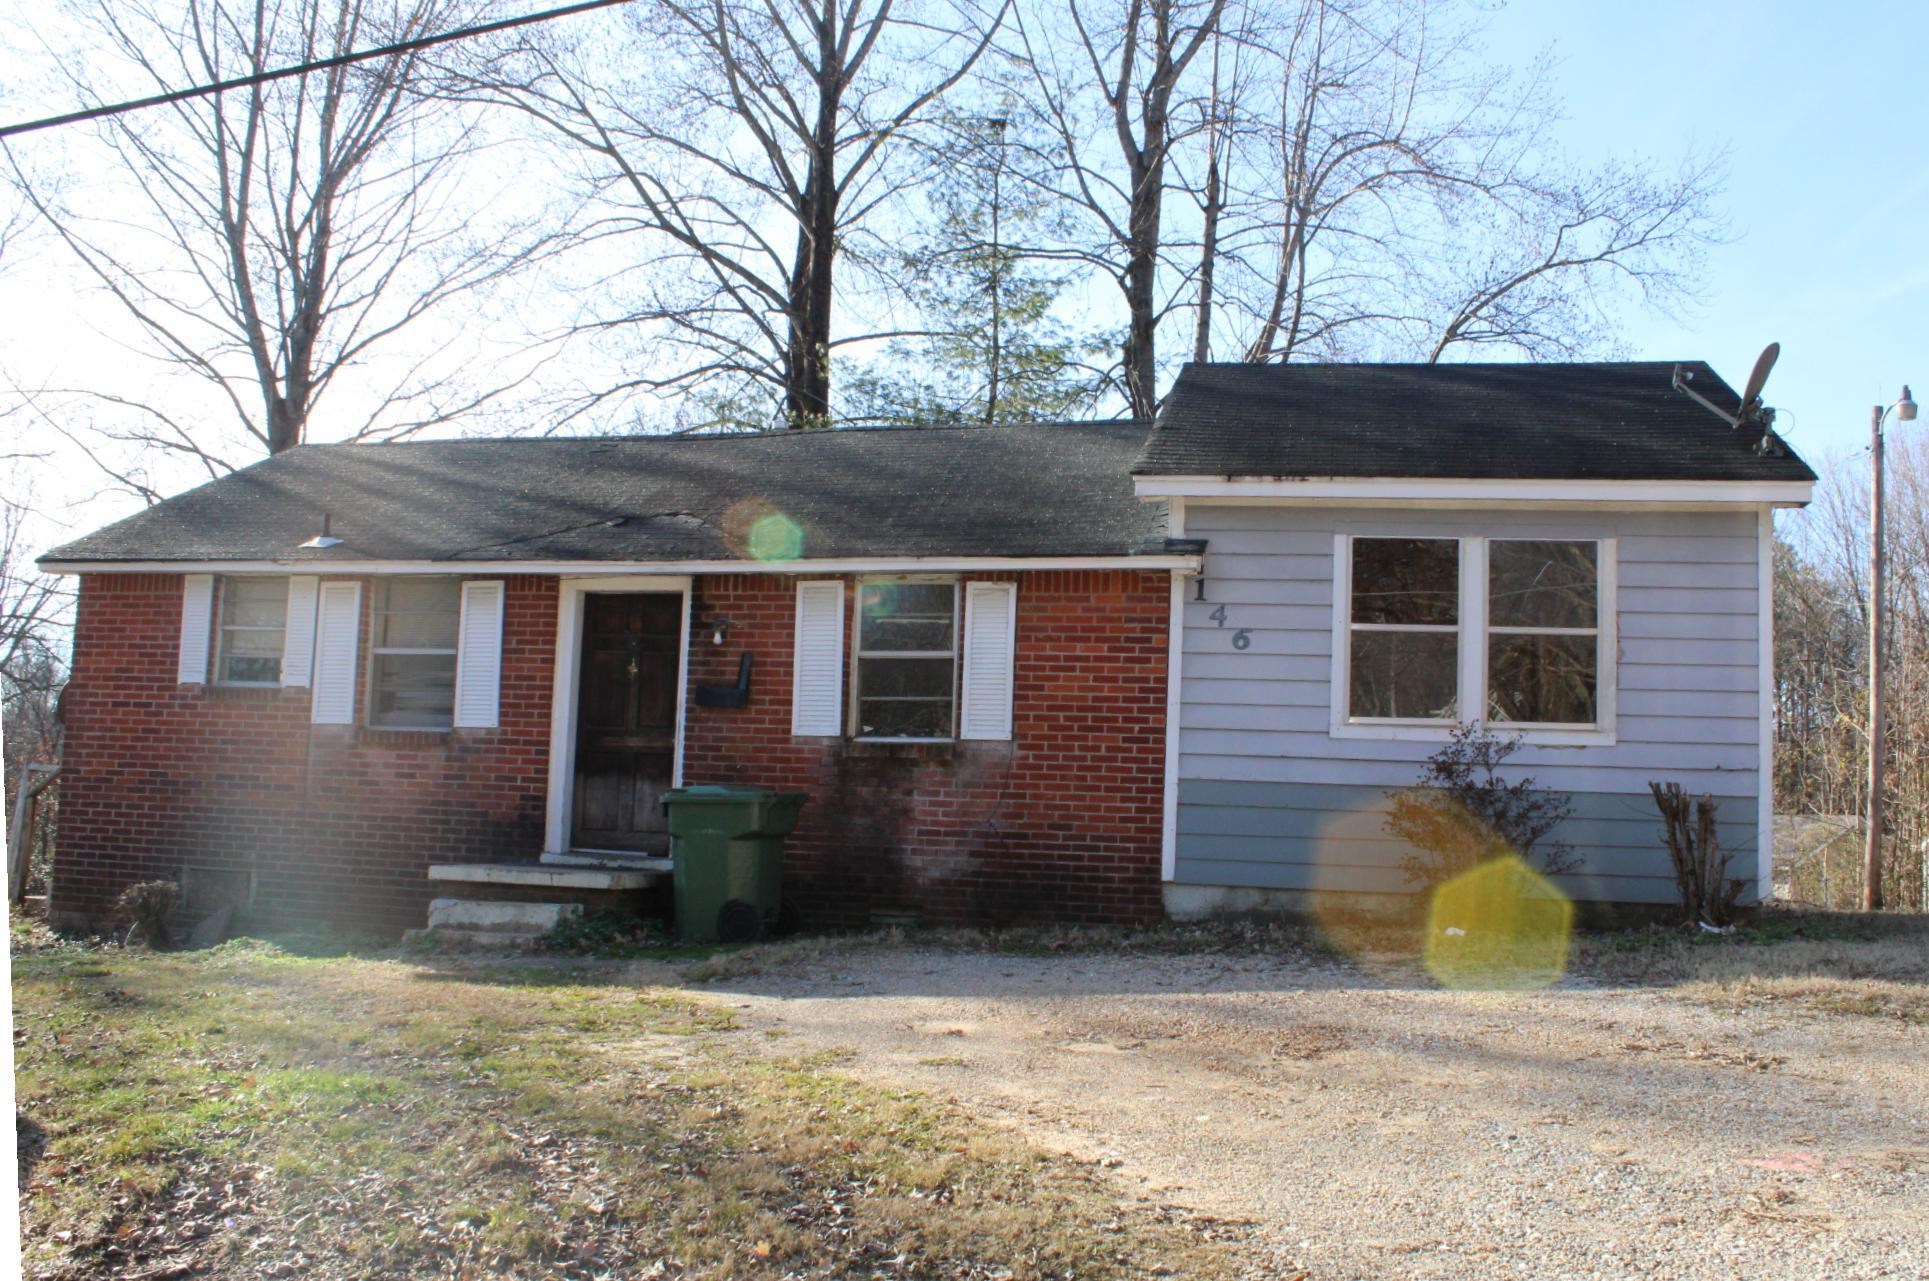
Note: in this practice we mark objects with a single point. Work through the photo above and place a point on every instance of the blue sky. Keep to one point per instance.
(1825, 111)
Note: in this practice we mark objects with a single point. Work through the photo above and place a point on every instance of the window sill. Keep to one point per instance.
(1391, 732)
(252, 693)
(395, 736)
(908, 749)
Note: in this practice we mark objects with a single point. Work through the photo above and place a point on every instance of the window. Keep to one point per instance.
(1404, 630)
(1543, 631)
(254, 614)
(1433, 631)
(907, 651)
(412, 676)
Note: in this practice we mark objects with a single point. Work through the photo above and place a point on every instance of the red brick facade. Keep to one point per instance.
(340, 823)
(1063, 822)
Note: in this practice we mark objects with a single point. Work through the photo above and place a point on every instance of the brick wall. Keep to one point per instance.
(339, 823)
(1061, 823)
(335, 823)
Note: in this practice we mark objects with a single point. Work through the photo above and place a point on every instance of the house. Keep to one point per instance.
(1576, 554)
(1077, 671)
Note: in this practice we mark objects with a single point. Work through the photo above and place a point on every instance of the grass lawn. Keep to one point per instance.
(254, 1112)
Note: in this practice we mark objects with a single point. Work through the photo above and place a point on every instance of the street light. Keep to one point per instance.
(1905, 411)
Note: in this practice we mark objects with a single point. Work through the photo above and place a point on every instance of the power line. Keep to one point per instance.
(302, 69)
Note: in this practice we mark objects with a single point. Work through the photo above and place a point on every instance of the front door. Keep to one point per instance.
(626, 715)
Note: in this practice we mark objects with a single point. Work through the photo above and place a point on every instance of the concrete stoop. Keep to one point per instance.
(493, 924)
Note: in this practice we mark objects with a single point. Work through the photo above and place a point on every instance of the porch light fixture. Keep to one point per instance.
(719, 631)
(1905, 412)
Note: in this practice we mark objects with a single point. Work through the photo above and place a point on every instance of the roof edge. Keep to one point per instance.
(1794, 493)
(1159, 559)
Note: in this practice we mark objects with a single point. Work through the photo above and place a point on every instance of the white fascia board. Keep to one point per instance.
(577, 568)
(1780, 493)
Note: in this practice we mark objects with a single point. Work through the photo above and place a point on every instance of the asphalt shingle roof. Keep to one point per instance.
(1045, 490)
(1592, 421)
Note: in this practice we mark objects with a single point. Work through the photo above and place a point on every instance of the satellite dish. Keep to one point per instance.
(1751, 397)
(1750, 411)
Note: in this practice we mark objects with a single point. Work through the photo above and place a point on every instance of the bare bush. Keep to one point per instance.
(1461, 813)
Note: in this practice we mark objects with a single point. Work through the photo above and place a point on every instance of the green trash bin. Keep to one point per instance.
(727, 859)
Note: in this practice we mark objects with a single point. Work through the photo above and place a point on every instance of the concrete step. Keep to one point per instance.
(536, 877)
(499, 917)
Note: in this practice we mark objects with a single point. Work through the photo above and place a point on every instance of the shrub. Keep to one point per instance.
(1461, 814)
(1702, 883)
(605, 933)
(145, 908)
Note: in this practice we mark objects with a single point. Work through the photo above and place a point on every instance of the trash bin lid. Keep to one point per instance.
(724, 794)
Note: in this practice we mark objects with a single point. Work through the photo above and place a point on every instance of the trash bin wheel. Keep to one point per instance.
(739, 922)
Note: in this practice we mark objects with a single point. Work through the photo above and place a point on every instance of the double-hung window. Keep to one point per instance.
(1404, 630)
(254, 618)
(1543, 632)
(907, 659)
(1440, 630)
(412, 672)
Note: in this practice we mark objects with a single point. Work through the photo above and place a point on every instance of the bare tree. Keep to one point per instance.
(738, 152)
(1393, 195)
(267, 240)
(32, 607)
(1111, 87)
(1821, 673)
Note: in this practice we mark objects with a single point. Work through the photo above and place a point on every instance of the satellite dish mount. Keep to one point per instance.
(1751, 412)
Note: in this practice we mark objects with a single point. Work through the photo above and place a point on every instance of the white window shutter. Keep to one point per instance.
(478, 656)
(817, 679)
(197, 625)
(338, 638)
(298, 631)
(990, 640)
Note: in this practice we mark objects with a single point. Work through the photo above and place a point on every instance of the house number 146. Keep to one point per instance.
(1242, 637)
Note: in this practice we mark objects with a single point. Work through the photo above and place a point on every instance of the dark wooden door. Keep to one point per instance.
(626, 714)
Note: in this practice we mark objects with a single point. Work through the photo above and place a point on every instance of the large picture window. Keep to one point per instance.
(412, 675)
(1512, 631)
(1404, 630)
(1543, 631)
(254, 617)
(907, 658)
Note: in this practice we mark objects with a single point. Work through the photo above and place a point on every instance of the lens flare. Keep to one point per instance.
(756, 530)
(1500, 925)
(775, 537)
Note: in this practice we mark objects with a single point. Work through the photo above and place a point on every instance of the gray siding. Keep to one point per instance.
(1269, 797)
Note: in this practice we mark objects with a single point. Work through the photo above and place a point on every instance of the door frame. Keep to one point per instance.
(569, 662)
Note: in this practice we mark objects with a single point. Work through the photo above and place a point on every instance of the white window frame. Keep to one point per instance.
(378, 606)
(859, 654)
(1473, 634)
(222, 627)
(1345, 627)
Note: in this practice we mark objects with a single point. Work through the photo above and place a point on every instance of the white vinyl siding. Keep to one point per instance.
(1271, 794)
(478, 664)
(298, 641)
(817, 678)
(991, 629)
(338, 634)
(197, 625)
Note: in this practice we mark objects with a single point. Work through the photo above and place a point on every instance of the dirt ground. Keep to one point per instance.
(1370, 1125)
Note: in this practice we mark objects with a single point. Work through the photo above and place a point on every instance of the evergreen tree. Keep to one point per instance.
(991, 345)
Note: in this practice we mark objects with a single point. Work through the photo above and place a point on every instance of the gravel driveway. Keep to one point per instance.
(1369, 1126)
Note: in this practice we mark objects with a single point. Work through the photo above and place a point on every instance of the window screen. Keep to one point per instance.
(907, 649)
(254, 614)
(412, 676)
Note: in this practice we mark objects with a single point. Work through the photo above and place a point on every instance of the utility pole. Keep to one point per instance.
(1905, 411)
